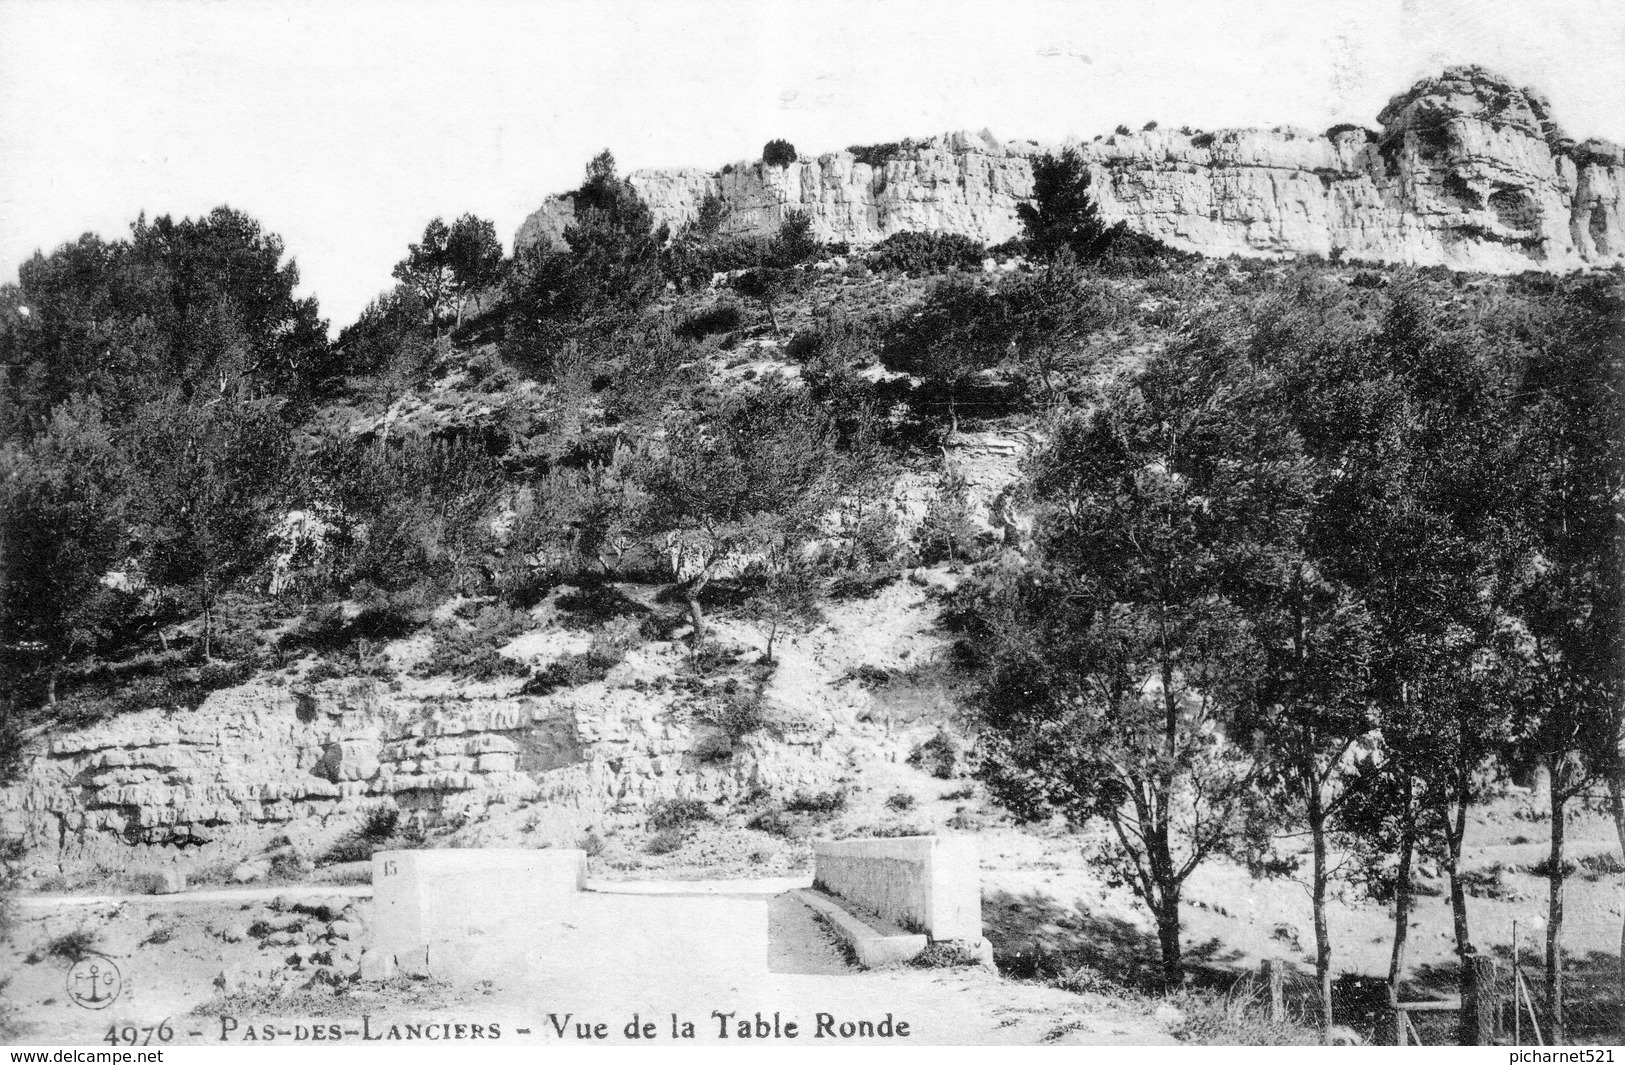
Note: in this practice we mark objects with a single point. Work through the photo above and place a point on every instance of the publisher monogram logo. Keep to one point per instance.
(94, 982)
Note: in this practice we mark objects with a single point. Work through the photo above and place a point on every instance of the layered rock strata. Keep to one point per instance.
(1466, 170)
(255, 761)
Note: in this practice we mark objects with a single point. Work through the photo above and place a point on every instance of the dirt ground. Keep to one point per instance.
(694, 950)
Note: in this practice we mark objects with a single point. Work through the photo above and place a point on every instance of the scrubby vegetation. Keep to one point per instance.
(1327, 547)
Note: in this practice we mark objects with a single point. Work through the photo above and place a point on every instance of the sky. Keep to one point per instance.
(345, 125)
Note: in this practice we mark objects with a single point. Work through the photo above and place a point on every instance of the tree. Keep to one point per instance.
(778, 153)
(227, 304)
(1566, 569)
(185, 304)
(62, 507)
(754, 478)
(1062, 214)
(451, 263)
(794, 243)
(958, 331)
(427, 268)
(1312, 715)
(768, 286)
(786, 599)
(1121, 653)
(612, 266)
(1051, 317)
(208, 470)
(475, 256)
(1407, 426)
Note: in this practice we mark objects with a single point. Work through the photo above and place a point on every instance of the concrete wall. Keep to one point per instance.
(469, 914)
(930, 884)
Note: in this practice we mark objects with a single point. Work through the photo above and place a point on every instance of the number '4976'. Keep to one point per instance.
(131, 1036)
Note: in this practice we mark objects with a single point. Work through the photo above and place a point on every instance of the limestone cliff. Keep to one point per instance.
(1466, 171)
(260, 759)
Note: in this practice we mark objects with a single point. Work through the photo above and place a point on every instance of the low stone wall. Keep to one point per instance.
(463, 915)
(929, 884)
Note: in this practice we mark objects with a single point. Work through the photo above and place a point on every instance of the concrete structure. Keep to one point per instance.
(923, 884)
(872, 947)
(469, 914)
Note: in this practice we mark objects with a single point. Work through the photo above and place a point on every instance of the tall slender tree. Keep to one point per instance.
(1122, 653)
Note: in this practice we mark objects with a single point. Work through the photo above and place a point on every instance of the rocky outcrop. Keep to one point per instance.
(1467, 170)
(260, 760)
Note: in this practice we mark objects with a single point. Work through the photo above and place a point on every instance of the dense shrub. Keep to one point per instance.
(72, 946)
(823, 803)
(723, 317)
(772, 821)
(665, 842)
(878, 155)
(380, 823)
(947, 534)
(921, 254)
(948, 955)
(678, 813)
(794, 243)
(693, 259)
(938, 756)
(608, 649)
(737, 714)
(1349, 127)
(470, 650)
(778, 153)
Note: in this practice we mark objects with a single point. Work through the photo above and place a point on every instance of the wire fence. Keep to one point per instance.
(1512, 997)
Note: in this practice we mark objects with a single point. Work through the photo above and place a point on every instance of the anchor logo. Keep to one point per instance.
(94, 982)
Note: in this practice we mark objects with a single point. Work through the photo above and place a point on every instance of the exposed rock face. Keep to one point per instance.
(1468, 171)
(253, 761)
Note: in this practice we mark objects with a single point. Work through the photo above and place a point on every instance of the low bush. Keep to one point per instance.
(470, 650)
(665, 841)
(946, 956)
(723, 317)
(380, 823)
(1087, 980)
(938, 756)
(824, 803)
(608, 649)
(72, 946)
(737, 714)
(570, 671)
(678, 814)
(1605, 863)
(900, 801)
(214, 675)
(352, 847)
(922, 254)
(878, 154)
(772, 821)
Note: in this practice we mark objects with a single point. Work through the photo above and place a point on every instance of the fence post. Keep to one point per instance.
(1273, 974)
(1481, 1009)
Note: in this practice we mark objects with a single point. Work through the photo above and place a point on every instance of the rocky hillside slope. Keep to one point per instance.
(1466, 170)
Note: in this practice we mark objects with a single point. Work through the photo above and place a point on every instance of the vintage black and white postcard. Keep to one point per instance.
(839, 524)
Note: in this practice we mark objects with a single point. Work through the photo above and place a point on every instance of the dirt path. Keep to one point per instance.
(711, 953)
